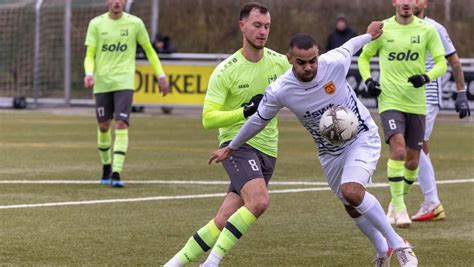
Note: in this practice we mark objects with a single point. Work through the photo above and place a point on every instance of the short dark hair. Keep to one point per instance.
(247, 8)
(302, 41)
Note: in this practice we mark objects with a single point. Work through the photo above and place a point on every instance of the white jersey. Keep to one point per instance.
(433, 89)
(309, 100)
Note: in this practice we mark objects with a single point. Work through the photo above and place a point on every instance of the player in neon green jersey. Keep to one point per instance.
(402, 52)
(234, 92)
(110, 68)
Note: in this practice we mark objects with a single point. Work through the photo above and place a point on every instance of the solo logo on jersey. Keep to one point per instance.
(330, 88)
(114, 47)
(403, 56)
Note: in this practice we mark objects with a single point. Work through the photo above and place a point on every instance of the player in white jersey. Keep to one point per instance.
(311, 87)
(431, 208)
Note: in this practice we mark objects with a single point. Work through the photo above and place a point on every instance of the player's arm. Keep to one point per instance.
(369, 50)
(267, 110)
(461, 104)
(458, 74)
(214, 115)
(144, 40)
(89, 66)
(89, 60)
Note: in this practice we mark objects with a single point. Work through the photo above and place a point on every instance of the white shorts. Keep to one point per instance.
(362, 155)
(431, 113)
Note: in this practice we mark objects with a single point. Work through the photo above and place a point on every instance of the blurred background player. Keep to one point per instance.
(402, 50)
(110, 68)
(308, 90)
(341, 34)
(163, 44)
(431, 208)
(234, 93)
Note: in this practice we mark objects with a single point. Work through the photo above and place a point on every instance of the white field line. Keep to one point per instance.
(194, 182)
(180, 182)
(103, 201)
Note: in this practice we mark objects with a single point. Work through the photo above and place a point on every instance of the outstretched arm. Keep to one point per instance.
(251, 128)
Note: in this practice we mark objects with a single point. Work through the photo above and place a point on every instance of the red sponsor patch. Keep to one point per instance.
(329, 87)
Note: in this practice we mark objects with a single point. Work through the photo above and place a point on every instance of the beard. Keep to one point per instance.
(307, 78)
(254, 45)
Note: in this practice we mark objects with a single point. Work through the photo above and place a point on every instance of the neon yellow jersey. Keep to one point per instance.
(235, 81)
(116, 43)
(402, 54)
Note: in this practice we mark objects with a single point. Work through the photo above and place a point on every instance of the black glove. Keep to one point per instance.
(419, 80)
(373, 87)
(462, 105)
(251, 107)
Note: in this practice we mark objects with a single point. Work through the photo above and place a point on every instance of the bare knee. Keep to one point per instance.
(104, 126)
(121, 124)
(255, 196)
(398, 153)
(413, 159)
(397, 147)
(221, 218)
(353, 193)
(258, 204)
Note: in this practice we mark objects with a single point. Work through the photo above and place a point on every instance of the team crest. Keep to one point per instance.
(329, 87)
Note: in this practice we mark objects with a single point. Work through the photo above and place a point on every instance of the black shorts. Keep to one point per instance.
(412, 126)
(245, 164)
(114, 105)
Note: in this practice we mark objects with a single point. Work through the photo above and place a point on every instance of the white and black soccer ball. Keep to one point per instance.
(338, 125)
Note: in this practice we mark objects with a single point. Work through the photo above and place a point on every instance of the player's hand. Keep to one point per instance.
(462, 105)
(89, 81)
(419, 80)
(220, 154)
(373, 87)
(163, 85)
(375, 29)
(251, 107)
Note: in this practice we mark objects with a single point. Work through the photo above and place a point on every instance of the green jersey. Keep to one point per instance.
(115, 42)
(235, 81)
(402, 53)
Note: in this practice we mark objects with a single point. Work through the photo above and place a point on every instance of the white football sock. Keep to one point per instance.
(212, 260)
(174, 262)
(377, 239)
(371, 209)
(426, 178)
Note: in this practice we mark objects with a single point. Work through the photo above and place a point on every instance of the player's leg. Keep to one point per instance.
(123, 105)
(359, 164)
(205, 238)
(430, 208)
(250, 171)
(415, 133)
(393, 124)
(373, 234)
(371, 210)
(104, 114)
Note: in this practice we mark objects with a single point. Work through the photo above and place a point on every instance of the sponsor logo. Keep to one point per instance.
(330, 87)
(242, 86)
(402, 56)
(415, 39)
(124, 32)
(390, 40)
(123, 115)
(119, 47)
(272, 78)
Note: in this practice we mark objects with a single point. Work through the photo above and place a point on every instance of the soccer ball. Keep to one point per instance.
(338, 125)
